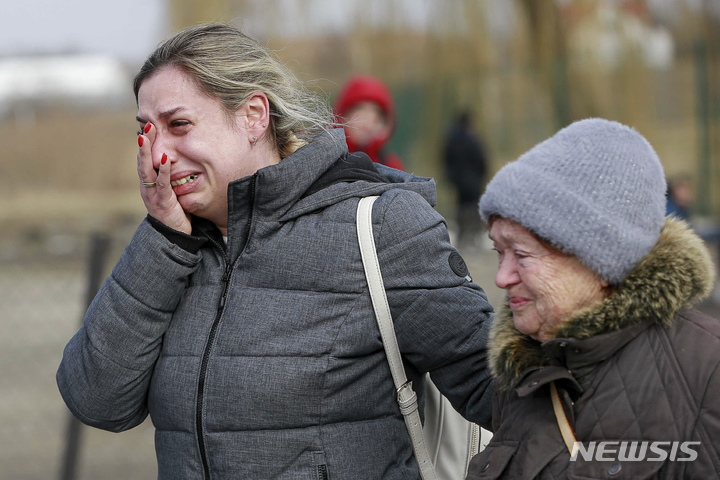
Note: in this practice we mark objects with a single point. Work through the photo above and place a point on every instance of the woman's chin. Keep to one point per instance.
(187, 204)
(191, 205)
(526, 326)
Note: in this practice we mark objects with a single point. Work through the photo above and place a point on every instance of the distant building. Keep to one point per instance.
(64, 80)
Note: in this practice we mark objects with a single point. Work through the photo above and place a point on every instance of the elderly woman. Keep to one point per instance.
(598, 344)
(238, 317)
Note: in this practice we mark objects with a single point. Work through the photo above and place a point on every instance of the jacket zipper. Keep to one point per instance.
(474, 441)
(203, 370)
(252, 204)
(211, 338)
(322, 472)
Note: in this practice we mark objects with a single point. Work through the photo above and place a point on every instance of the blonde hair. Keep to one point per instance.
(228, 65)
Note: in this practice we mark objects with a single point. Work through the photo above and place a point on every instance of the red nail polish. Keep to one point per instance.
(140, 140)
(147, 127)
(164, 158)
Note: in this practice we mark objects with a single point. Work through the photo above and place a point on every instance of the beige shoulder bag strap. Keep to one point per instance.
(565, 429)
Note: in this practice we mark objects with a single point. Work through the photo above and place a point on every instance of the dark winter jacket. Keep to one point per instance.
(263, 359)
(640, 366)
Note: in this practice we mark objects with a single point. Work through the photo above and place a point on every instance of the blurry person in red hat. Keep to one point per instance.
(366, 109)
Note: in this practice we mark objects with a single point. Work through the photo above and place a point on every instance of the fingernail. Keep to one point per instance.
(164, 158)
(140, 140)
(147, 127)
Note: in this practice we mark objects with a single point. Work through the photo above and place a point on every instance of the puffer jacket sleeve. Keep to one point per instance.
(106, 368)
(442, 319)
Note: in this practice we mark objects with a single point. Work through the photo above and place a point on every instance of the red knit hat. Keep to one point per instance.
(365, 88)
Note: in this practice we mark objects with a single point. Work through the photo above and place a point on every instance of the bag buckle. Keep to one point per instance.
(401, 395)
(407, 399)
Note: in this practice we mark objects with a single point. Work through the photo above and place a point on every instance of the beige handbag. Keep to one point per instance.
(444, 446)
(452, 441)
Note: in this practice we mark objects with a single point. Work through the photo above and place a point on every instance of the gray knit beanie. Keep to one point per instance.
(595, 190)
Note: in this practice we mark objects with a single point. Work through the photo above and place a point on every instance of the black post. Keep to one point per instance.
(99, 248)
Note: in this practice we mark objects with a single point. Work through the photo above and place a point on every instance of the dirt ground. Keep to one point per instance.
(42, 307)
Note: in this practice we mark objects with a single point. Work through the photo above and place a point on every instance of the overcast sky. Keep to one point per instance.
(128, 29)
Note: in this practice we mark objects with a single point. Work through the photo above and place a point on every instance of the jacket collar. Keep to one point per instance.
(276, 188)
(351, 167)
(674, 275)
(279, 193)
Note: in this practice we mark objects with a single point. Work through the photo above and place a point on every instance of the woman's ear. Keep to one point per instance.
(254, 116)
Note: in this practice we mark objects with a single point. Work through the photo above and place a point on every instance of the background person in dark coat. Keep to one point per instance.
(600, 287)
(466, 167)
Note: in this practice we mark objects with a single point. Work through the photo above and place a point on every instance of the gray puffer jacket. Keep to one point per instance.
(263, 359)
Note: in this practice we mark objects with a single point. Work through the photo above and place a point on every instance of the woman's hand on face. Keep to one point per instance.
(160, 200)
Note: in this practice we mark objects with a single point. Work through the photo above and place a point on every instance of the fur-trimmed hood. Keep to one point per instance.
(674, 275)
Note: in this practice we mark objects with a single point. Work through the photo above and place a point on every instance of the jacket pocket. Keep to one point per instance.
(491, 462)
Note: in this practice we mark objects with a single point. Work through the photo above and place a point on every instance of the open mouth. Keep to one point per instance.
(182, 181)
